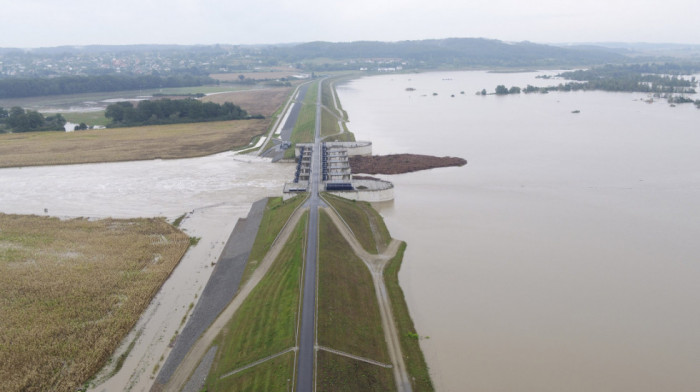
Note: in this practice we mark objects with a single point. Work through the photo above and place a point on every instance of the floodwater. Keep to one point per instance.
(214, 191)
(565, 255)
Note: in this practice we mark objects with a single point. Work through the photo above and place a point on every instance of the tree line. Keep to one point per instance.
(20, 120)
(169, 111)
(33, 87)
(642, 78)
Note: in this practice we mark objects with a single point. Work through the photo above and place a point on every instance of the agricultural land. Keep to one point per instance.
(71, 291)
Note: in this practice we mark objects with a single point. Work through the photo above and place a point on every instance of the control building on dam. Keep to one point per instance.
(336, 173)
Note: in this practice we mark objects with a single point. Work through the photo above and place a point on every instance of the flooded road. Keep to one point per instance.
(564, 256)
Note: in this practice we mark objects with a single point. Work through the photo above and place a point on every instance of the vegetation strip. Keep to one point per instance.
(410, 346)
(304, 127)
(275, 374)
(364, 222)
(265, 324)
(277, 214)
(341, 374)
(348, 313)
(258, 362)
(344, 354)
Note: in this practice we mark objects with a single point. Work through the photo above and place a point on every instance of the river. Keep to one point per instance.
(564, 256)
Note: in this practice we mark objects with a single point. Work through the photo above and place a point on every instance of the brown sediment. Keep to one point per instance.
(354, 177)
(401, 163)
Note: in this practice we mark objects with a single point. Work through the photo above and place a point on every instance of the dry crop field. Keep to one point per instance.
(71, 290)
(127, 144)
(264, 102)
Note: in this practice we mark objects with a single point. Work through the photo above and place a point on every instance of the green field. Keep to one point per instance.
(277, 212)
(89, 118)
(341, 374)
(348, 311)
(364, 221)
(266, 322)
(410, 346)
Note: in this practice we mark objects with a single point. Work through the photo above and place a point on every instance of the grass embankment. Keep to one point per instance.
(126, 144)
(264, 325)
(329, 124)
(268, 376)
(277, 212)
(305, 127)
(364, 221)
(348, 312)
(341, 374)
(410, 347)
(71, 291)
(329, 118)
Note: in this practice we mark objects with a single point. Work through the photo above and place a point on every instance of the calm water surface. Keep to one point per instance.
(565, 255)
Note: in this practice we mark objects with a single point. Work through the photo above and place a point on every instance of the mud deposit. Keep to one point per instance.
(401, 163)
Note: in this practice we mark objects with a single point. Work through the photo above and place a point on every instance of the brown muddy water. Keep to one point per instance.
(565, 255)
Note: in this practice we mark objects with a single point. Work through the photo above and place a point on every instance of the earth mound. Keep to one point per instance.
(400, 163)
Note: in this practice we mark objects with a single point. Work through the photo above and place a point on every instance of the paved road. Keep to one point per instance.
(307, 333)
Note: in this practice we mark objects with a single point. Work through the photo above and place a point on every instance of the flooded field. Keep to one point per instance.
(215, 191)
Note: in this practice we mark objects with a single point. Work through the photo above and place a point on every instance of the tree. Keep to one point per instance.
(483, 92)
(514, 90)
(501, 90)
(80, 127)
(3, 114)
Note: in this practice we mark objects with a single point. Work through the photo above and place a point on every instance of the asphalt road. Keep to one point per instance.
(307, 333)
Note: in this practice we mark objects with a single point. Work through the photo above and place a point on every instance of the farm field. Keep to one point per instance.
(72, 290)
(127, 144)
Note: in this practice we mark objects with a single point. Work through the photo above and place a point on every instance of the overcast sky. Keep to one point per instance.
(41, 23)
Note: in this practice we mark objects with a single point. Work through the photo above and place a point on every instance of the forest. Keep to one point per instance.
(169, 111)
(34, 87)
(20, 120)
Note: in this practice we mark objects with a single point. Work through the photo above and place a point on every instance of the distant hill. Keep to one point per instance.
(455, 51)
